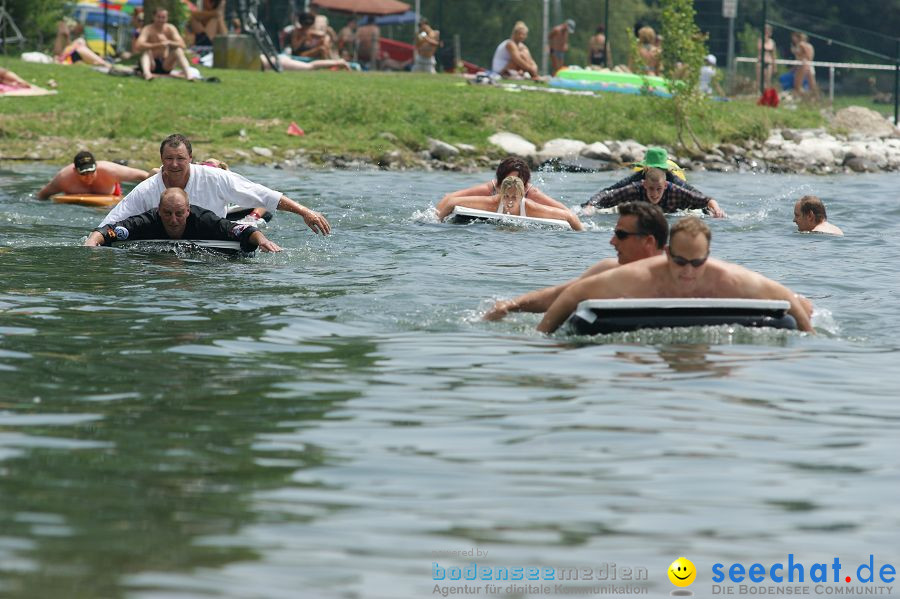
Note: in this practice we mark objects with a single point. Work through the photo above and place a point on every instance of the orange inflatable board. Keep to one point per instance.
(96, 200)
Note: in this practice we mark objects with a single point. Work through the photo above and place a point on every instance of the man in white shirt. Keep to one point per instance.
(208, 187)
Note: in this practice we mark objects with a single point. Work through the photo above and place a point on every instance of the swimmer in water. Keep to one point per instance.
(640, 232)
(509, 200)
(686, 270)
(809, 216)
(87, 175)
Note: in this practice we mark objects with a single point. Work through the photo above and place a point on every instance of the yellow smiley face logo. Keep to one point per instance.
(682, 572)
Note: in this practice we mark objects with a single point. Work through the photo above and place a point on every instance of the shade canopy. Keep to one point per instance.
(407, 17)
(93, 15)
(364, 7)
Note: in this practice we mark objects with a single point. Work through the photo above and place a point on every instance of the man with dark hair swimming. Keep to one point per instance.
(810, 216)
(640, 232)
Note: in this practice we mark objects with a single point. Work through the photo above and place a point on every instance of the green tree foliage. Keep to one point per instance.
(37, 19)
(683, 49)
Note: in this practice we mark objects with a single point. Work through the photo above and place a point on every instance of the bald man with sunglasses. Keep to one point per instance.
(686, 270)
(640, 232)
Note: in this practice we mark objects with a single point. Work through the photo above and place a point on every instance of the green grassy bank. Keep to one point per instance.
(341, 113)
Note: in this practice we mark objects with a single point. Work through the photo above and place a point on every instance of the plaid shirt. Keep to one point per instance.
(674, 197)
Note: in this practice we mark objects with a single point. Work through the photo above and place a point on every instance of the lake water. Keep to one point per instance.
(333, 420)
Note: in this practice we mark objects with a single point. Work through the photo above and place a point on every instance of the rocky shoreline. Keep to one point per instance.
(860, 140)
(857, 140)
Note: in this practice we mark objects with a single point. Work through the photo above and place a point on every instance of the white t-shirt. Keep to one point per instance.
(208, 187)
(501, 57)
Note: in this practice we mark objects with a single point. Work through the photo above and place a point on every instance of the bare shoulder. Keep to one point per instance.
(740, 281)
(600, 267)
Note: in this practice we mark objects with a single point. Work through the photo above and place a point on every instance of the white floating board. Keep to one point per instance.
(175, 245)
(461, 215)
(593, 317)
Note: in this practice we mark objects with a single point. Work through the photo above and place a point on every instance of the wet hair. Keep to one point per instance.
(174, 191)
(812, 204)
(647, 35)
(514, 182)
(691, 226)
(510, 164)
(520, 25)
(650, 219)
(175, 140)
(600, 29)
(654, 175)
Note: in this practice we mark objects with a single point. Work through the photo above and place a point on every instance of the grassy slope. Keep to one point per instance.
(342, 113)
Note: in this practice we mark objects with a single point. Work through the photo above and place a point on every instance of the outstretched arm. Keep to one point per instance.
(446, 206)
(540, 211)
(800, 309)
(126, 173)
(752, 284)
(314, 220)
(482, 189)
(95, 239)
(263, 242)
(541, 299)
(50, 188)
(536, 195)
(561, 308)
(687, 199)
(614, 197)
(715, 209)
(139, 226)
(533, 301)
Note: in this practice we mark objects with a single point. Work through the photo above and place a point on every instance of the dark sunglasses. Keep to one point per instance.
(622, 234)
(696, 262)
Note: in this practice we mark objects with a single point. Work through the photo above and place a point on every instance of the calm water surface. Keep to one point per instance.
(330, 421)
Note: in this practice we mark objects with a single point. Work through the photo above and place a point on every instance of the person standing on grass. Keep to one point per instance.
(558, 41)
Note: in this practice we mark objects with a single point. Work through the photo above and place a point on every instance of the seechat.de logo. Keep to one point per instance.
(793, 570)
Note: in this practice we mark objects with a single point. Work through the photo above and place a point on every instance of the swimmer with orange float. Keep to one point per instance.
(88, 176)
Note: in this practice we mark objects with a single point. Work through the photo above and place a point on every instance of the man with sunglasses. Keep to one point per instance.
(641, 232)
(656, 190)
(686, 270)
(88, 175)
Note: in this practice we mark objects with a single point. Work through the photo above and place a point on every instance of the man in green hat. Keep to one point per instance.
(655, 183)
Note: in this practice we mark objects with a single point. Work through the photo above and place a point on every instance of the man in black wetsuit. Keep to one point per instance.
(175, 218)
